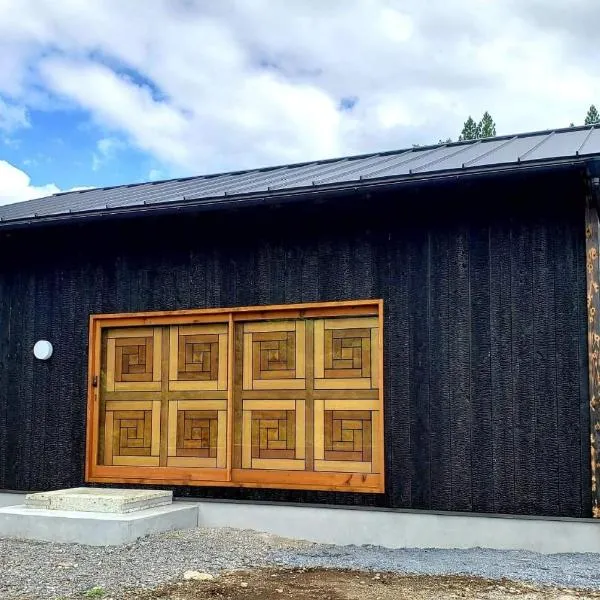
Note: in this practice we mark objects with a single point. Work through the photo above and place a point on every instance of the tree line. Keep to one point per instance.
(486, 127)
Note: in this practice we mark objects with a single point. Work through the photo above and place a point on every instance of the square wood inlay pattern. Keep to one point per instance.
(279, 402)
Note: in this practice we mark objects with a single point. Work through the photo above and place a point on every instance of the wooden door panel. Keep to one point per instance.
(273, 434)
(198, 358)
(274, 355)
(346, 355)
(285, 402)
(133, 360)
(344, 430)
(132, 433)
(197, 433)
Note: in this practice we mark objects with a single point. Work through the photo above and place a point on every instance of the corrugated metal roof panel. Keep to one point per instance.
(463, 157)
(554, 145)
(507, 153)
(591, 145)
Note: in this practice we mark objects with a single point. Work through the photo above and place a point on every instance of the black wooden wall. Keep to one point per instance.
(485, 330)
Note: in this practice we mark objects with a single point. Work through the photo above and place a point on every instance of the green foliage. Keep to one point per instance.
(470, 130)
(487, 127)
(95, 592)
(474, 131)
(592, 116)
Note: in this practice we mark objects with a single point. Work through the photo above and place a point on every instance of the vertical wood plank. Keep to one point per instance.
(223, 447)
(572, 454)
(440, 379)
(380, 421)
(460, 341)
(96, 403)
(319, 347)
(238, 354)
(230, 394)
(223, 376)
(300, 349)
(110, 366)
(156, 427)
(173, 352)
(482, 452)
(171, 432)
(247, 439)
(582, 458)
(419, 269)
(246, 360)
(108, 437)
(309, 397)
(593, 308)
(300, 435)
(544, 371)
(165, 414)
(319, 430)
(503, 416)
(523, 364)
(157, 362)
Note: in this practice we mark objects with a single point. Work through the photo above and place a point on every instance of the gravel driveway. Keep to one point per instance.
(44, 570)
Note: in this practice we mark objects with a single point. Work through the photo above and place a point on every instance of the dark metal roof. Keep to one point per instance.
(506, 153)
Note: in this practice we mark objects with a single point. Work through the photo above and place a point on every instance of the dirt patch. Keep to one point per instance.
(321, 584)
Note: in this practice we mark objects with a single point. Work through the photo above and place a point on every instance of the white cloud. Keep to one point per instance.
(12, 117)
(234, 84)
(15, 185)
(106, 150)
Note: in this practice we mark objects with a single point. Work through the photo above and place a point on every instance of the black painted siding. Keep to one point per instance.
(485, 331)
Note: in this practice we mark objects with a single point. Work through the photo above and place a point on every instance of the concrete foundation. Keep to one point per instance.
(389, 528)
(9, 499)
(94, 528)
(406, 529)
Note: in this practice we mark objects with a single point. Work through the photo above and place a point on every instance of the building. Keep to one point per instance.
(411, 329)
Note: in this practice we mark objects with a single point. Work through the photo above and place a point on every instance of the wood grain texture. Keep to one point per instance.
(184, 425)
(592, 244)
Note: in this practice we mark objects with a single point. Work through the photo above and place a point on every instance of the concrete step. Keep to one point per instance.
(106, 500)
(94, 528)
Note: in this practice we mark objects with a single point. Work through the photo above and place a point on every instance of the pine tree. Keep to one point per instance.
(592, 116)
(486, 127)
(470, 130)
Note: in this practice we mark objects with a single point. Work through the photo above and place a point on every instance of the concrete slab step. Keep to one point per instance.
(94, 528)
(105, 500)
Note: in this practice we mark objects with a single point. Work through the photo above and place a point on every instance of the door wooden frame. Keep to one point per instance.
(309, 480)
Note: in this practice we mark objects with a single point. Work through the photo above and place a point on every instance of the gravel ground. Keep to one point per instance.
(43, 570)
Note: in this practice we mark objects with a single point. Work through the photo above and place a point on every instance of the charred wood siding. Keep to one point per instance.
(485, 344)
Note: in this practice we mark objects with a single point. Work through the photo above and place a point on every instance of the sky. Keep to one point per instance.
(105, 92)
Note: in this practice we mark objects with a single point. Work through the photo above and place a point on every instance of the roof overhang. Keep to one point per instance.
(588, 165)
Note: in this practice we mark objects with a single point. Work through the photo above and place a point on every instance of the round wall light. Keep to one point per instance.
(42, 350)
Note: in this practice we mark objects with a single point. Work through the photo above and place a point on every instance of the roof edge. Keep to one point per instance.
(281, 196)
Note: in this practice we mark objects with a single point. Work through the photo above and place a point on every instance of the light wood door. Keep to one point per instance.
(290, 402)
(165, 396)
(309, 398)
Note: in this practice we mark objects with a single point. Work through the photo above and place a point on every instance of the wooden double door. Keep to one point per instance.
(290, 399)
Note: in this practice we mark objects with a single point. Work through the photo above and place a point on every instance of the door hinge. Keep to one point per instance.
(95, 381)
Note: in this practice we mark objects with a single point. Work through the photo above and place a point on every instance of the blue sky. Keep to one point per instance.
(97, 92)
(60, 146)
